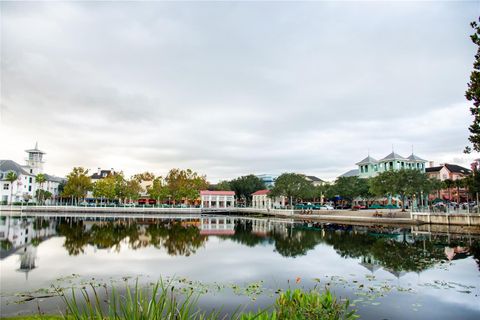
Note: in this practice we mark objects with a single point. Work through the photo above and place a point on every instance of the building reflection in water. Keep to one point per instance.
(375, 247)
(21, 236)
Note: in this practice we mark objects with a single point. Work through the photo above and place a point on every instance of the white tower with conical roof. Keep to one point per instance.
(35, 160)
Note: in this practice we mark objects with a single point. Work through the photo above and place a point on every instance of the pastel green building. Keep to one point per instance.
(370, 167)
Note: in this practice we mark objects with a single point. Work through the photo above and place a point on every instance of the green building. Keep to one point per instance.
(370, 167)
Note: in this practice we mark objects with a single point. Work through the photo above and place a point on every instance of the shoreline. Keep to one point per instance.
(382, 216)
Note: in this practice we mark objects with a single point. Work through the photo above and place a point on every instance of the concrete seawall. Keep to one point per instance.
(338, 216)
(449, 219)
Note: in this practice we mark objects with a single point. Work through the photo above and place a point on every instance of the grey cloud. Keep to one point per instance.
(234, 88)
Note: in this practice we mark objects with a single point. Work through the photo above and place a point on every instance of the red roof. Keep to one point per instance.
(216, 193)
(261, 192)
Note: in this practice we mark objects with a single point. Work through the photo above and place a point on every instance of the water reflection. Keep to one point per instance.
(392, 249)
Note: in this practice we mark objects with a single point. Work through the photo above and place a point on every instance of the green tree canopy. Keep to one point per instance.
(185, 184)
(78, 184)
(473, 93)
(291, 185)
(246, 185)
(351, 187)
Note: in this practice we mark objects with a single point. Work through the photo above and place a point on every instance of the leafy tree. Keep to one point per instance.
(246, 185)
(223, 185)
(120, 186)
(43, 194)
(473, 92)
(351, 187)
(11, 177)
(159, 189)
(40, 179)
(185, 184)
(105, 188)
(145, 176)
(291, 185)
(405, 182)
(133, 189)
(78, 184)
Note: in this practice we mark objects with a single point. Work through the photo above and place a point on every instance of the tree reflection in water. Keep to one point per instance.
(394, 250)
(175, 238)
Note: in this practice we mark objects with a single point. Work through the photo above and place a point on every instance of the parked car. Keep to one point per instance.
(326, 207)
(359, 207)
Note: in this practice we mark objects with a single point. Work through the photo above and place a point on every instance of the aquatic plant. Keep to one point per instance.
(162, 302)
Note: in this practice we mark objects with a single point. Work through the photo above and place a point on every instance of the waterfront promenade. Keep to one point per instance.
(384, 216)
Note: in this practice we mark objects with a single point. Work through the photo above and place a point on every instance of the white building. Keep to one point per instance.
(21, 190)
(217, 199)
(25, 187)
(261, 200)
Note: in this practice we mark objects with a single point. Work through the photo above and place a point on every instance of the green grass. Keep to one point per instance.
(162, 302)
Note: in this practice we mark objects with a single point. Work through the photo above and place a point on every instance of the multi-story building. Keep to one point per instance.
(268, 179)
(452, 172)
(370, 167)
(25, 187)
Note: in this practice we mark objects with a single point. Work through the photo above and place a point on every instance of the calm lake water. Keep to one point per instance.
(387, 272)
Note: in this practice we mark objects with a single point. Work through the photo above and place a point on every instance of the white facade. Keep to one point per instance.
(22, 189)
(261, 200)
(25, 187)
(217, 199)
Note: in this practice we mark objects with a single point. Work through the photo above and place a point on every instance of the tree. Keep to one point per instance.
(159, 189)
(223, 185)
(105, 188)
(133, 189)
(473, 93)
(291, 185)
(40, 178)
(43, 194)
(449, 183)
(246, 185)
(405, 183)
(185, 184)
(78, 184)
(351, 187)
(11, 177)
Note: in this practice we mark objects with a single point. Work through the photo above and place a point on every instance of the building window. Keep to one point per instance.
(31, 170)
(366, 168)
(30, 180)
(29, 188)
(6, 186)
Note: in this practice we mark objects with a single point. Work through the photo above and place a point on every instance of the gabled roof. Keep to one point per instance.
(367, 160)
(314, 179)
(9, 165)
(416, 158)
(103, 174)
(393, 156)
(351, 173)
(450, 167)
(261, 192)
(457, 169)
(54, 179)
(433, 169)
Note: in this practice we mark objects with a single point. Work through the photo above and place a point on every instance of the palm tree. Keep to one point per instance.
(11, 177)
(449, 184)
(40, 178)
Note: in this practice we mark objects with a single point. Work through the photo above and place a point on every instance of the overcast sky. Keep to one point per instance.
(229, 89)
